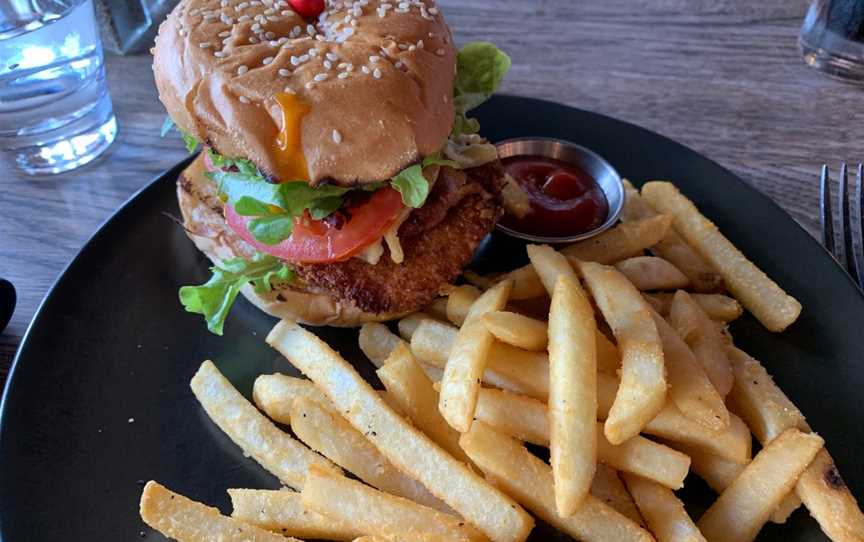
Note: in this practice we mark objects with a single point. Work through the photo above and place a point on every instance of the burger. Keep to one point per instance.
(341, 180)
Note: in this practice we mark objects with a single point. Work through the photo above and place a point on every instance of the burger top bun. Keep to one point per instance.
(369, 84)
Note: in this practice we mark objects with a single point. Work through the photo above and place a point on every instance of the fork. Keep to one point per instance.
(849, 254)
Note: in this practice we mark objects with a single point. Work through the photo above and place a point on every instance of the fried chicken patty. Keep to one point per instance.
(437, 240)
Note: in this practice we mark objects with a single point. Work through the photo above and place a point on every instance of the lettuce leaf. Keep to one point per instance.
(190, 141)
(411, 183)
(480, 68)
(214, 298)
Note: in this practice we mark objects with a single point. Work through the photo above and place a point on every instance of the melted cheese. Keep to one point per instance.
(288, 147)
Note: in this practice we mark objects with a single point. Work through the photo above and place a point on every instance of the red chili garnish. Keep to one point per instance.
(307, 8)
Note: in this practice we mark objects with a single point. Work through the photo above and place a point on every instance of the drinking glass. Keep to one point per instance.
(55, 110)
(832, 38)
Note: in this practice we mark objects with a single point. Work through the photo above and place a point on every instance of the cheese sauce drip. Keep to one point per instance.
(288, 147)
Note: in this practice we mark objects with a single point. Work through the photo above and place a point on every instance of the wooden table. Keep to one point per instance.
(722, 76)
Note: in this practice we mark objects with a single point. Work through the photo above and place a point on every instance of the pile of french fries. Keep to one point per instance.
(620, 363)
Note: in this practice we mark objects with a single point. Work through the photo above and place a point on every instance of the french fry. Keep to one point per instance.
(717, 306)
(437, 309)
(733, 443)
(772, 306)
(664, 513)
(468, 359)
(672, 247)
(508, 368)
(478, 280)
(703, 337)
(412, 390)
(377, 341)
(572, 392)
(608, 357)
(283, 512)
(642, 392)
(646, 458)
(719, 473)
(746, 505)
(690, 389)
(408, 324)
(517, 330)
(516, 415)
(759, 401)
(609, 488)
(526, 284)
(826, 496)
(274, 394)
(180, 518)
(769, 412)
(549, 265)
(259, 439)
(403, 445)
(459, 302)
(523, 418)
(528, 479)
(652, 273)
(621, 242)
(325, 431)
(404, 537)
(372, 511)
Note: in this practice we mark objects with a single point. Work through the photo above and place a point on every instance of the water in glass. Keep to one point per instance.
(55, 110)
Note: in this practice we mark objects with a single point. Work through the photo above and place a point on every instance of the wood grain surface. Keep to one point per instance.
(721, 76)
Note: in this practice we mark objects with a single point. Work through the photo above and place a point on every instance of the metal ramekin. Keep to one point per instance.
(585, 159)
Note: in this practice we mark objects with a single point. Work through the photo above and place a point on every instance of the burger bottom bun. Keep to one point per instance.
(206, 227)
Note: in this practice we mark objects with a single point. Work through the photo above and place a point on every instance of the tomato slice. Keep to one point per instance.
(316, 241)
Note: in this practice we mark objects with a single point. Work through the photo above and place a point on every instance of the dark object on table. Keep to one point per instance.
(130, 27)
(7, 302)
(99, 398)
(832, 38)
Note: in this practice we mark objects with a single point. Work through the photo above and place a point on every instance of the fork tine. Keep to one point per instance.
(846, 221)
(826, 217)
(858, 255)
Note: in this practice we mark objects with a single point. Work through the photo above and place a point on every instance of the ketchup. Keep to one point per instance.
(564, 199)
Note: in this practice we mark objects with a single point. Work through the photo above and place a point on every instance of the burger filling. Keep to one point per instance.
(297, 227)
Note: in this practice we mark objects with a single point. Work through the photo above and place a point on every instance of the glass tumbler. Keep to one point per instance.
(55, 110)
(832, 38)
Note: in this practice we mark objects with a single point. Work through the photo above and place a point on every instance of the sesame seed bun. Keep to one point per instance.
(378, 81)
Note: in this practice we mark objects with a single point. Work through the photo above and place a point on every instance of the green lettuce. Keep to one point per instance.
(411, 183)
(190, 141)
(480, 68)
(214, 298)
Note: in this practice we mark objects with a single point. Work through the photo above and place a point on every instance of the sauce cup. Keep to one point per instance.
(585, 159)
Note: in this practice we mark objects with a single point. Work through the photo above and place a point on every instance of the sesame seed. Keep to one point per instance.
(374, 58)
(403, 46)
(226, 41)
(310, 29)
(205, 45)
(376, 74)
(295, 61)
(220, 54)
(256, 27)
(412, 47)
(284, 72)
(242, 69)
(253, 39)
(226, 19)
(366, 70)
(342, 65)
(343, 75)
(287, 13)
(304, 58)
(245, 100)
(223, 3)
(273, 43)
(420, 44)
(313, 52)
(320, 77)
(243, 18)
(440, 52)
(273, 18)
(349, 68)
(209, 16)
(269, 11)
(224, 34)
(310, 84)
(328, 64)
(268, 60)
(289, 90)
(433, 11)
(337, 137)
(332, 57)
(270, 35)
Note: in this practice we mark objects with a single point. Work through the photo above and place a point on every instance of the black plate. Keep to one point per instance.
(98, 399)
